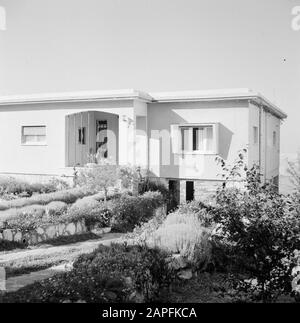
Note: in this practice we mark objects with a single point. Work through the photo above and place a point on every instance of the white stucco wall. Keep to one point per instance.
(270, 154)
(232, 117)
(272, 151)
(51, 158)
(136, 121)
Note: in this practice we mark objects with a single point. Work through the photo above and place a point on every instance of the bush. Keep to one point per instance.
(146, 267)
(100, 177)
(6, 245)
(118, 273)
(13, 186)
(67, 196)
(143, 231)
(32, 216)
(184, 233)
(262, 228)
(150, 185)
(28, 218)
(91, 211)
(129, 176)
(199, 209)
(56, 208)
(128, 211)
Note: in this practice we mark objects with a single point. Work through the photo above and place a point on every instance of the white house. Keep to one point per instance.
(175, 135)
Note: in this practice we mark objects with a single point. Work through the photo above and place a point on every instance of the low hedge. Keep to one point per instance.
(67, 196)
(123, 212)
(6, 245)
(10, 185)
(118, 273)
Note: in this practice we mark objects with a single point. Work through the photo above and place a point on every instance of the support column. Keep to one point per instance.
(126, 140)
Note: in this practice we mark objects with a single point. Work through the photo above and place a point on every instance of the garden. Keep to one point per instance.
(238, 246)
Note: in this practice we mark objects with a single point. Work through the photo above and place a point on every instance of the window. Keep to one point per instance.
(255, 135)
(189, 194)
(81, 135)
(198, 138)
(274, 139)
(34, 135)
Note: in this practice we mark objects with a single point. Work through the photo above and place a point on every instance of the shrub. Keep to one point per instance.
(143, 231)
(184, 233)
(294, 172)
(32, 216)
(100, 177)
(28, 218)
(89, 210)
(6, 245)
(129, 176)
(10, 185)
(56, 208)
(199, 209)
(262, 228)
(146, 267)
(128, 211)
(151, 185)
(110, 274)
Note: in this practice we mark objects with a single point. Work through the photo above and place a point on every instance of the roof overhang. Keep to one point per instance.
(81, 96)
(219, 95)
(159, 97)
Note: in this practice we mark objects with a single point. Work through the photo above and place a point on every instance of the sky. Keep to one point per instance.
(155, 45)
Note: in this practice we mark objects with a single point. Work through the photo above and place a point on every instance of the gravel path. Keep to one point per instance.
(66, 254)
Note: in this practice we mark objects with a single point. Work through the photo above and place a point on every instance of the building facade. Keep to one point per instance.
(176, 136)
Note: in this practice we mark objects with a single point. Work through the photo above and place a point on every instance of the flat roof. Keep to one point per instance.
(159, 97)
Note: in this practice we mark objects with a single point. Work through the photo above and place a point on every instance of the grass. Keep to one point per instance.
(65, 240)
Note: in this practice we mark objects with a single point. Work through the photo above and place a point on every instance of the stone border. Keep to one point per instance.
(53, 231)
(48, 232)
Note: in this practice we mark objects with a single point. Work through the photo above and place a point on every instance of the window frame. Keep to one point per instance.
(33, 143)
(190, 127)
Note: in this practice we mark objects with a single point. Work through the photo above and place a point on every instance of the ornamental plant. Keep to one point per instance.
(100, 177)
(262, 229)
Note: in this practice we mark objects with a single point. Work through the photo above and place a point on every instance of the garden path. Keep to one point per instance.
(71, 251)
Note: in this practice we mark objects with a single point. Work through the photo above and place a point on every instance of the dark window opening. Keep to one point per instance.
(81, 135)
(189, 191)
(174, 195)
